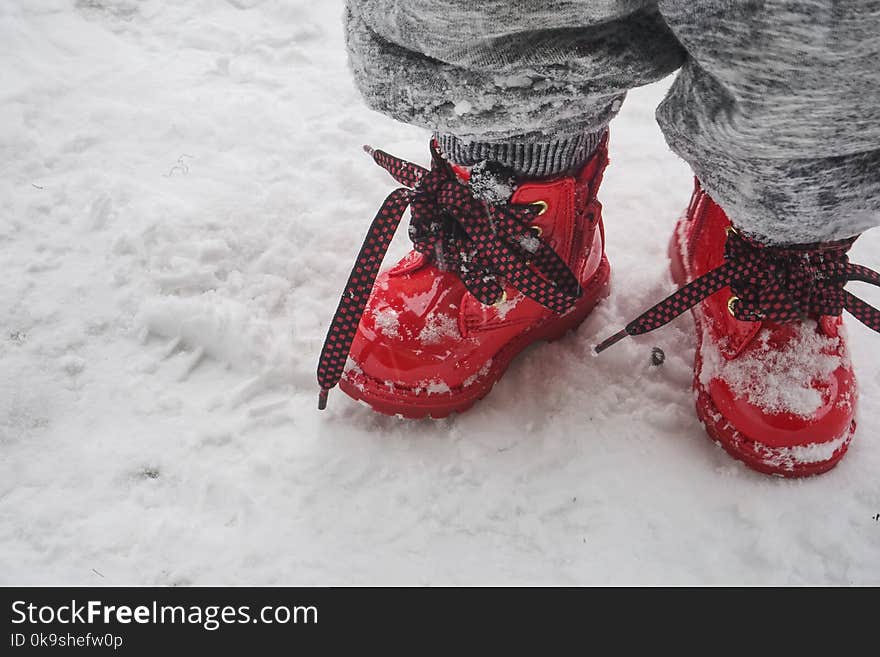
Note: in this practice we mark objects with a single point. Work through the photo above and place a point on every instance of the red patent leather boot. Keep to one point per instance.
(773, 381)
(485, 280)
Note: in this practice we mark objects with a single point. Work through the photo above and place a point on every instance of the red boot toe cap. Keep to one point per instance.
(819, 413)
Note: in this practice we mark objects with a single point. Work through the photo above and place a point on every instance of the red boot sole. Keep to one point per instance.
(755, 454)
(410, 405)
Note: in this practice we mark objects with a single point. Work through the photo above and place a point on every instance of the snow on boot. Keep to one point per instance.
(490, 273)
(773, 381)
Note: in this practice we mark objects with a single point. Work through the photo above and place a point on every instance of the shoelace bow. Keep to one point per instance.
(780, 283)
(486, 245)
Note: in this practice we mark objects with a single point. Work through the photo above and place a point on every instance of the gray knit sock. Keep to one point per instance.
(525, 158)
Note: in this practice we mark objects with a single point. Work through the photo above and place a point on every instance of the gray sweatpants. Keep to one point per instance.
(776, 106)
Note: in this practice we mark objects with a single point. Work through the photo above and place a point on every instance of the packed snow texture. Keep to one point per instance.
(183, 193)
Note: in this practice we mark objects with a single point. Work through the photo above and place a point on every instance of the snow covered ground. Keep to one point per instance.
(182, 194)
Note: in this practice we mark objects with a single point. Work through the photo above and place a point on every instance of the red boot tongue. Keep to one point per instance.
(461, 172)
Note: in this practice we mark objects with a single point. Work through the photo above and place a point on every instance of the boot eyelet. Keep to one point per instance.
(538, 230)
(542, 205)
(730, 230)
(501, 299)
(731, 302)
